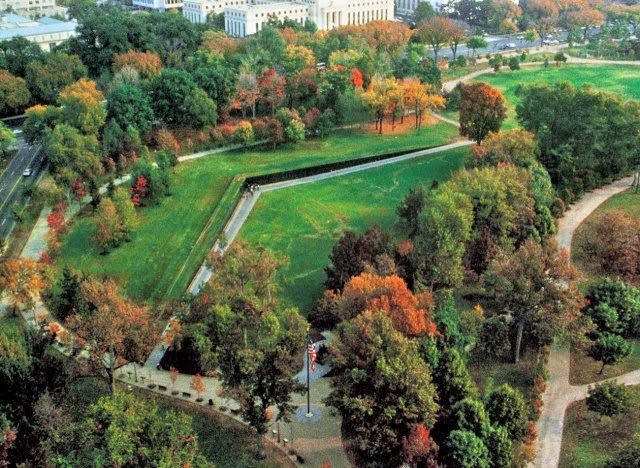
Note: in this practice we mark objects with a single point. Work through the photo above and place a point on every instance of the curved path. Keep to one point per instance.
(559, 393)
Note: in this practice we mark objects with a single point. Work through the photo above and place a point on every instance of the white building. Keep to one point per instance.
(250, 17)
(197, 11)
(46, 32)
(32, 7)
(158, 5)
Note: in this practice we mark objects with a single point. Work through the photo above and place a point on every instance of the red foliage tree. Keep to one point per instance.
(79, 189)
(356, 78)
(271, 89)
(418, 448)
(139, 191)
(482, 110)
(411, 314)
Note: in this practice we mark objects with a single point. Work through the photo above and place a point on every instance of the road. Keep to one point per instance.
(13, 183)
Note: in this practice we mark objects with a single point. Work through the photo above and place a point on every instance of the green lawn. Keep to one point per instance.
(619, 79)
(174, 237)
(304, 222)
(589, 441)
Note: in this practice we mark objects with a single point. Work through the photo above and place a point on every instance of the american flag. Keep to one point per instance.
(312, 355)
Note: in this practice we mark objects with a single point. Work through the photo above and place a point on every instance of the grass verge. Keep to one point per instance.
(589, 441)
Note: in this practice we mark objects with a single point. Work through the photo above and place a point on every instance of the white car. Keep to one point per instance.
(27, 172)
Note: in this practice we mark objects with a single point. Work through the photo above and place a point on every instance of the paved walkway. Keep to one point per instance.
(559, 393)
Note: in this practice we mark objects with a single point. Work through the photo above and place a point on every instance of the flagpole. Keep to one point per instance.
(309, 413)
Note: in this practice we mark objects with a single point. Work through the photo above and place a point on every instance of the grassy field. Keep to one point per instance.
(619, 79)
(628, 201)
(173, 237)
(304, 222)
(589, 441)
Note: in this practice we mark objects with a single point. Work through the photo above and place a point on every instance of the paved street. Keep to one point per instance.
(13, 183)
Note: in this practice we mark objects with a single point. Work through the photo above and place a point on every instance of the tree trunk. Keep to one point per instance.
(519, 339)
(380, 129)
(262, 454)
(253, 109)
(112, 370)
(602, 368)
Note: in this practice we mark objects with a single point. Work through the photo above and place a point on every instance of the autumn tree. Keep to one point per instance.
(409, 314)
(378, 98)
(382, 388)
(147, 64)
(537, 288)
(14, 94)
(271, 90)
(21, 281)
(247, 93)
(111, 328)
(542, 15)
(482, 110)
(197, 385)
(82, 106)
(457, 35)
(418, 98)
(436, 33)
(517, 146)
(418, 449)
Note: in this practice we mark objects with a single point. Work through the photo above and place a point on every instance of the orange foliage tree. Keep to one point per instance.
(482, 110)
(271, 89)
(82, 106)
(543, 15)
(22, 281)
(147, 64)
(410, 314)
(197, 385)
(417, 97)
(112, 330)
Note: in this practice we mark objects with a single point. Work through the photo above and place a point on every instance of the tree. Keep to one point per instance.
(353, 253)
(424, 11)
(7, 139)
(214, 75)
(18, 52)
(378, 98)
(147, 64)
(457, 35)
(247, 93)
(621, 300)
(124, 431)
(482, 110)
(111, 327)
(416, 96)
(451, 378)
(418, 449)
(381, 386)
(72, 154)
(502, 16)
(464, 448)
(537, 287)
(171, 95)
(411, 207)
(107, 232)
(39, 121)
(271, 90)
(506, 408)
(128, 105)
(436, 33)
(411, 315)
(444, 226)
(470, 415)
(14, 95)
(542, 15)
(295, 131)
(627, 458)
(48, 77)
(500, 447)
(7, 438)
(67, 298)
(82, 106)
(149, 183)
(22, 281)
(608, 398)
(125, 212)
(609, 349)
(476, 42)
(518, 147)
(197, 385)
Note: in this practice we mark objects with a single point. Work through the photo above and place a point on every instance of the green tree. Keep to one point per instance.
(7, 138)
(14, 95)
(72, 154)
(411, 207)
(201, 109)
(452, 379)
(424, 11)
(614, 306)
(17, 53)
(66, 299)
(444, 226)
(107, 230)
(157, 181)
(507, 409)
(48, 77)
(124, 431)
(608, 398)
(381, 386)
(294, 131)
(465, 449)
(215, 75)
(609, 349)
(128, 105)
(500, 447)
(470, 415)
(126, 213)
(476, 42)
(172, 98)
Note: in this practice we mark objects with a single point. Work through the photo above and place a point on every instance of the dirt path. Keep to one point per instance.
(559, 394)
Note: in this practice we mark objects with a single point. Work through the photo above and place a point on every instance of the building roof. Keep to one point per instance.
(271, 6)
(12, 25)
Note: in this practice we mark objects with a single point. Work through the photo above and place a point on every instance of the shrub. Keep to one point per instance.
(514, 63)
(608, 399)
(243, 134)
(507, 409)
(494, 336)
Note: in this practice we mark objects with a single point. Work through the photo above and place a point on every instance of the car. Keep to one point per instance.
(554, 41)
(549, 36)
(17, 131)
(546, 42)
(511, 45)
(27, 172)
(520, 38)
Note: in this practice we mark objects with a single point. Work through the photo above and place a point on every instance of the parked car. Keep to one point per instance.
(27, 172)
